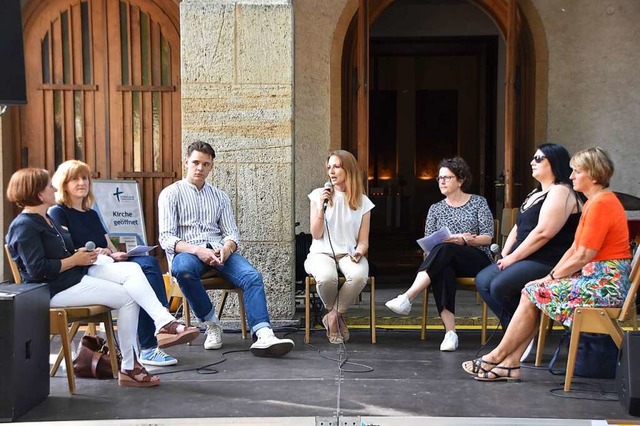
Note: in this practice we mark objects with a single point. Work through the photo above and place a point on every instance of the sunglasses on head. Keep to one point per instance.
(538, 158)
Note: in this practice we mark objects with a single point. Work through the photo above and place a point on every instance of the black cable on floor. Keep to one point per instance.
(594, 389)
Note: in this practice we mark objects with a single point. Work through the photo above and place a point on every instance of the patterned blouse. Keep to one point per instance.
(474, 217)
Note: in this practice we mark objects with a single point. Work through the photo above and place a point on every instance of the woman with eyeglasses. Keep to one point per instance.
(545, 226)
(463, 254)
(593, 272)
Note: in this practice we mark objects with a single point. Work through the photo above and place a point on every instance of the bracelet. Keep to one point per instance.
(464, 241)
(551, 275)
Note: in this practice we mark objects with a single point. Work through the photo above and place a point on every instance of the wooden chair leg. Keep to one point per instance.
(91, 329)
(223, 301)
(59, 326)
(111, 342)
(72, 331)
(542, 337)
(425, 302)
(307, 309)
(573, 350)
(483, 333)
(372, 311)
(243, 318)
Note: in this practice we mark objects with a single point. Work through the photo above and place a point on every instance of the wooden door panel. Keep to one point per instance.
(103, 87)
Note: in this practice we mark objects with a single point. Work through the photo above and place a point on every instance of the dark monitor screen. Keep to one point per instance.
(12, 83)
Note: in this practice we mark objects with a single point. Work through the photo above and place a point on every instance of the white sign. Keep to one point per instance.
(119, 205)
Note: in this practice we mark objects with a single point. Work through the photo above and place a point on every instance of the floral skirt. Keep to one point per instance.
(604, 283)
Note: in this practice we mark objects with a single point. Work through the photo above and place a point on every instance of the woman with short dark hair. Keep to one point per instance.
(463, 254)
(44, 253)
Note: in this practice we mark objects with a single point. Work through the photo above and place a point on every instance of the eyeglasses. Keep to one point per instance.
(444, 178)
(538, 158)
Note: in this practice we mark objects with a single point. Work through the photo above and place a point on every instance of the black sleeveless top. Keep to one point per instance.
(554, 249)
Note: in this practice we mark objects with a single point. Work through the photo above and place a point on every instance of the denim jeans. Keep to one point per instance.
(500, 289)
(188, 268)
(146, 327)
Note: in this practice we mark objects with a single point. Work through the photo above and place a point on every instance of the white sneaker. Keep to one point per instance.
(527, 351)
(450, 342)
(214, 335)
(400, 305)
(268, 345)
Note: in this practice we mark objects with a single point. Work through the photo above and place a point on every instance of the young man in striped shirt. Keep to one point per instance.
(198, 231)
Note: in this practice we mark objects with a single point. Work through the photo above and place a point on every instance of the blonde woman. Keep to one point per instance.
(340, 221)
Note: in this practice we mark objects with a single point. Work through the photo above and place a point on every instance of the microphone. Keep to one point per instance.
(90, 246)
(495, 248)
(327, 185)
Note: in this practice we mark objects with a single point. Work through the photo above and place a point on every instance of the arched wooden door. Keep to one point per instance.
(103, 86)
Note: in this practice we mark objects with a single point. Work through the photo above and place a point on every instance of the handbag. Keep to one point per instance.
(93, 359)
(597, 356)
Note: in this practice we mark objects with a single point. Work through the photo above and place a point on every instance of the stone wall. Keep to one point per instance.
(594, 83)
(237, 79)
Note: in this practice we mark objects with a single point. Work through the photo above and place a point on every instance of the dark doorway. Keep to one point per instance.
(430, 98)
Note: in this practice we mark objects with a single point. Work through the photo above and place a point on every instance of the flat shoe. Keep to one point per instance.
(334, 338)
(492, 376)
(475, 366)
(139, 377)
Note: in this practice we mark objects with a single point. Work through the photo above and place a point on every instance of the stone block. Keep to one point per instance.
(265, 37)
(207, 33)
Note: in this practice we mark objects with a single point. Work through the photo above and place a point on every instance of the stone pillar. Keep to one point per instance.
(237, 85)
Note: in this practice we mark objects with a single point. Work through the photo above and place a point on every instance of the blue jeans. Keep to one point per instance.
(188, 268)
(500, 289)
(146, 327)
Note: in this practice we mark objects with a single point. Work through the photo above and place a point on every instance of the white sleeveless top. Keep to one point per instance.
(344, 223)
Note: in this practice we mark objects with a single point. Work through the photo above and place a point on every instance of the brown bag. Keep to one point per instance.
(93, 358)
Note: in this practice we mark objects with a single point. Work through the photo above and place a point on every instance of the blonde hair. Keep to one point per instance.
(70, 170)
(596, 162)
(354, 189)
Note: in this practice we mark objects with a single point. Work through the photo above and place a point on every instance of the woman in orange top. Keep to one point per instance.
(593, 272)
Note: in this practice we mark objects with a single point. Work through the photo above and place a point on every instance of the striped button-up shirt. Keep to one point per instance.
(195, 216)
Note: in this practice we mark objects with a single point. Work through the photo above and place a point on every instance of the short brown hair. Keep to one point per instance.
(460, 168)
(25, 186)
(596, 162)
(70, 170)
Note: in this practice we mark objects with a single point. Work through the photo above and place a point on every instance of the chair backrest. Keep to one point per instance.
(630, 301)
(507, 222)
(14, 267)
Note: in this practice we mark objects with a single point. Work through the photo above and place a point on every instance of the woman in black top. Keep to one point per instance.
(544, 230)
(44, 253)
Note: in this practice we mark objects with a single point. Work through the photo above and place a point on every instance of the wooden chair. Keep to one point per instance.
(596, 320)
(309, 286)
(211, 280)
(546, 323)
(501, 229)
(65, 322)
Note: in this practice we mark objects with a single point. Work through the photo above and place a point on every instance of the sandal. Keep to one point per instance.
(475, 366)
(492, 376)
(334, 338)
(139, 377)
(170, 336)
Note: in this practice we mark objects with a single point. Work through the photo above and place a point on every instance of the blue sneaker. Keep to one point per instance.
(156, 357)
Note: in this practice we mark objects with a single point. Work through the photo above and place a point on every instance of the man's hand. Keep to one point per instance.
(208, 256)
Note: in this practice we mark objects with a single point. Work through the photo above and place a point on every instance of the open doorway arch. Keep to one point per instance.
(488, 154)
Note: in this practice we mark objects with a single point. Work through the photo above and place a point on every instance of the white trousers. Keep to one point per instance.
(123, 287)
(323, 269)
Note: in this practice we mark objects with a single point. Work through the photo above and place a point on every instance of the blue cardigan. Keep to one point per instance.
(37, 248)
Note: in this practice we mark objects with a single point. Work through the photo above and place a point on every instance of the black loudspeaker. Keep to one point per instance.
(24, 343)
(628, 373)
(12, 82)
